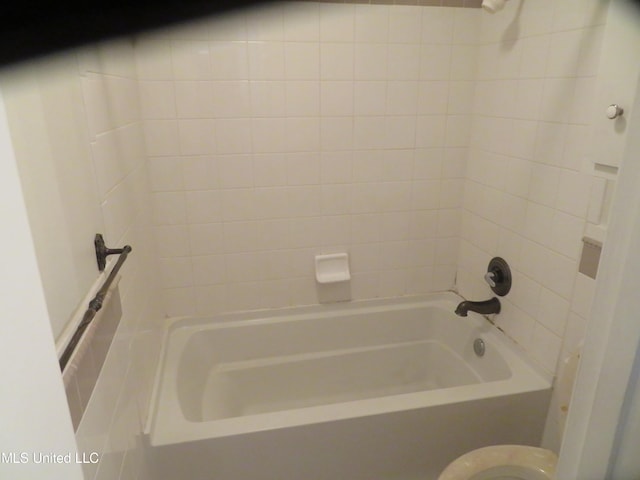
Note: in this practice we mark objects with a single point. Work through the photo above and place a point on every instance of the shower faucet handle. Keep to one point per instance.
(498, 276)
(490, 278)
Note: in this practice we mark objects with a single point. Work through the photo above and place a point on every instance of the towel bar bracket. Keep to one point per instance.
(102, 252)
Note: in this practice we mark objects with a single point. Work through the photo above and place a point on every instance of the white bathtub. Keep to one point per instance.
(374, 390)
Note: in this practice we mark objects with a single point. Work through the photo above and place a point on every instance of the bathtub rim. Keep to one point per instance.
(528, 376)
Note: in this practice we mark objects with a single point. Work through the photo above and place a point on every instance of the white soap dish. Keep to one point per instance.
(332, 268)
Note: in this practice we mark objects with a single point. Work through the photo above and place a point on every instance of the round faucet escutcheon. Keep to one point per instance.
(498, 276)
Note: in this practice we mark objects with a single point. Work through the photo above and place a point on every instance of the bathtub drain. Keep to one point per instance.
(478, 347)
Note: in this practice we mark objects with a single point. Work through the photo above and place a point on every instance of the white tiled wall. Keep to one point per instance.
(529, 178)
(112, 423)
(304, 128)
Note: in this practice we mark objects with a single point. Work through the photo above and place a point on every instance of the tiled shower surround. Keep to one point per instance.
(422, 140)
(303, 128)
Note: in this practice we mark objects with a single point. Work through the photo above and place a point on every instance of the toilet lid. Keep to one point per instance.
(503, 462)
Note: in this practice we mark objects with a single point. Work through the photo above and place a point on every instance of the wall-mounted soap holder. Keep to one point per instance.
(333, 268)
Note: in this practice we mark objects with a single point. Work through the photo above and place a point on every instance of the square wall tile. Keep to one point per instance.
(233, 135)
(200, 172)
(303, 98)
(152, 61)
(161, 137)
(553, 311)
(303, 168)
(370, 61)
(336, 199)
(106, 152)
(230, 27)
(302, 22)
(370, 97)
(464, 59)
(165, 174)
(172, 240)
(95, 93)
(440, 97)
(304, 201)
(231, 99)
(194, 99)
(268, 135)
(271, 203)
(266, 60)
(397, 165)
(437, 25)
(302, 60)
(197, 137)
(191, 60)
(169, 208)
(372, 23)
(206, 239)
(268, 98)
(401, 98)
(176, 272)
(179, 301)
(573, 194)
(337, 22)
(269, 169)
(405, 24)
(238, 204)
(229, 60)
(400, 132)
(336, 98)
(336, 167)
(204, 206)
(157, 99)
(430, 131)
(265, 22)
(337, 61)
(466, 29)
(546, 347)
(336, 133)
(435, 62)
(369, 133)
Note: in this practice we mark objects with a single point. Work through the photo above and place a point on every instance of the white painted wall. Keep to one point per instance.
(33, 404)
(49, 134)
(604, 381)
(616, 81)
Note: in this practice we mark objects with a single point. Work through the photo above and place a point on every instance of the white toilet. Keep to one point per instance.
(518, 462)
(503, 462)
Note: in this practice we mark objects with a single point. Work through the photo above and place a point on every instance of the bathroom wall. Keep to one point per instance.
(109, 84)
(31, 422)
(49, 134)
(301, 128)
(75, 126)
(530, 175)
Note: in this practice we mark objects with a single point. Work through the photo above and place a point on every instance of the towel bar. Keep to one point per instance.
(96, 304)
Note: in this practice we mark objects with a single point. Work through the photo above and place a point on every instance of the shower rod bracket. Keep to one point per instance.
(102, 252)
